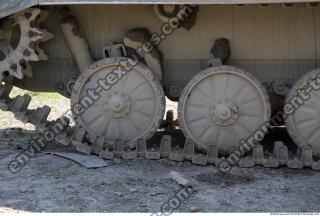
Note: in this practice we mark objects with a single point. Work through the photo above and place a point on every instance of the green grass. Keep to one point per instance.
(58, 104)
(36, 95)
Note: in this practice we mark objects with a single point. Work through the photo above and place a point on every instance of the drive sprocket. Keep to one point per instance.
(20, 36)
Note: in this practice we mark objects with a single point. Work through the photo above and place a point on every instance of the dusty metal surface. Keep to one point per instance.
(8, 7)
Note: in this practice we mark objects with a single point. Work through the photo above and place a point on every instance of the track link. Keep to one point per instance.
(60, 131)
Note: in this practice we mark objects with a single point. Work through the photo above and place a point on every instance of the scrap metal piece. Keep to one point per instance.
(88, 162)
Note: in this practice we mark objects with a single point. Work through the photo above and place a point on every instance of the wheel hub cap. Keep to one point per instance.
(118, 105)
(224, 113)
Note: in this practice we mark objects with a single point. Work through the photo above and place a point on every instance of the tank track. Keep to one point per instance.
(66, 135)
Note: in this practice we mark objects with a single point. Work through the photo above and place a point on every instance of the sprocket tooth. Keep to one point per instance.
(33, 56)
(20, 71)
(41, 54)
(40, 35)
(28, 70)
(35, 12)
(46, 36)
(43, 16)
(16, 73)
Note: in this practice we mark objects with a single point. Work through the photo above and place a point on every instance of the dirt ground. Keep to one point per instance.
(50, 183)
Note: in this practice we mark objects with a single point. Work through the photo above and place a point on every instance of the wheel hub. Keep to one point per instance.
(118, 105)
(224, 113)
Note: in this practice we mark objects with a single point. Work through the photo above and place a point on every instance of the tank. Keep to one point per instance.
(237, 69)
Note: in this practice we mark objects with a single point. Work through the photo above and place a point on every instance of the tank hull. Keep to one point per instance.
(270, 42)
